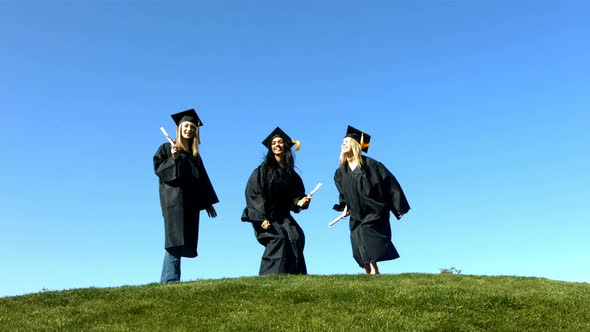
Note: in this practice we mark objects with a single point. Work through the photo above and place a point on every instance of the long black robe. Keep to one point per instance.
(185, 190)
(272, 197)
(371, 192)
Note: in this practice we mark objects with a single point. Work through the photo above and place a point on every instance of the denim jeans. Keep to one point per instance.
(170, 268)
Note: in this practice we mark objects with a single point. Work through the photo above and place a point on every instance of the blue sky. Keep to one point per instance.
(480, 108)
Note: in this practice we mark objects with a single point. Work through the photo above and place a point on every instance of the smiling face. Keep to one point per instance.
(187, 130)
(346, 146)
(277, 146)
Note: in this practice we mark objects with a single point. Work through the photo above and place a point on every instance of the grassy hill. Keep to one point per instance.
(420, 302)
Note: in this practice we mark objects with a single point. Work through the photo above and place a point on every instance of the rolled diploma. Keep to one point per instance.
(340, 217)
(315, 189)
(167, 136)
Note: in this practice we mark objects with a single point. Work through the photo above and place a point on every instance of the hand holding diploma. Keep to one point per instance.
(304, 202)
(344, 214)
(173, 148)
(167, 136)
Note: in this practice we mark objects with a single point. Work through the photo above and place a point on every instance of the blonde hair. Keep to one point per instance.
(356, 153)
(195, 140)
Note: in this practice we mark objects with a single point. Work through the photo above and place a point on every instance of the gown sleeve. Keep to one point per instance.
(166, 167)
(256, 206)
(298, 190)
(185, 170)
(174, 171)
(338, 181)
(207, 195)
(394, 195)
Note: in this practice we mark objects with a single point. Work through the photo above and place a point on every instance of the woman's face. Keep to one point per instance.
(346, 145)
(277, 146)
(187, 130)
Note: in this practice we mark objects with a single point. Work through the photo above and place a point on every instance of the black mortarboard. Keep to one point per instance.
(362, 138)
(278, 132)
(188, 115)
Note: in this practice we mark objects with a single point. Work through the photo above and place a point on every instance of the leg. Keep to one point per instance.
(170, 268)
(367, 268)
(374, 268)
(274, 258)
(296, 259)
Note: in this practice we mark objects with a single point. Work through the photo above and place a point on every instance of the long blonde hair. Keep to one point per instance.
(195, 140)
(356, 152)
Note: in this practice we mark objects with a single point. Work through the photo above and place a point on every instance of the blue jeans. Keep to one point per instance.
(170, 268)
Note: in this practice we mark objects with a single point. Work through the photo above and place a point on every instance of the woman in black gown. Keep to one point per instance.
(274, 190)
(185, 190)
(368, 192)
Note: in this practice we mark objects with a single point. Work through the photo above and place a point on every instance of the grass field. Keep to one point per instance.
(417, 302)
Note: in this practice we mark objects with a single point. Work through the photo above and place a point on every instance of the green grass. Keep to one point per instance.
(414, 302)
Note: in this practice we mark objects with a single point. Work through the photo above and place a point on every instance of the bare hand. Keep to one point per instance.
(174, 150)
(211, 212)
(265, 224)
(345, 212)
(304, 202)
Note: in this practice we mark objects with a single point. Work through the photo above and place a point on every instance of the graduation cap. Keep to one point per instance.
(362, 138)
(278, 132)
(188, 115)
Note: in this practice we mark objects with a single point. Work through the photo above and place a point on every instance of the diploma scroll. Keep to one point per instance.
(315, 189)
(312, 192)
(340, 217)
(167, 136)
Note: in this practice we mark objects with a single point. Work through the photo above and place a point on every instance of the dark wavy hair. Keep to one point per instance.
(271, 164)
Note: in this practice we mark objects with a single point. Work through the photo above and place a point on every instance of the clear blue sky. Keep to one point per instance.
(480, 108)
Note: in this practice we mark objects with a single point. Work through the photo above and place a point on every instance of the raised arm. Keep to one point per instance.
(165, 166)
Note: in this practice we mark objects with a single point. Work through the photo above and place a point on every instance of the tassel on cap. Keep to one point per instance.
(278, 132)
(364, 146)
(361, 137)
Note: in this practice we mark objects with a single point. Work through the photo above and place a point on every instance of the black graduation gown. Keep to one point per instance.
(371, 192)
(272, 197)
(185, 190)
